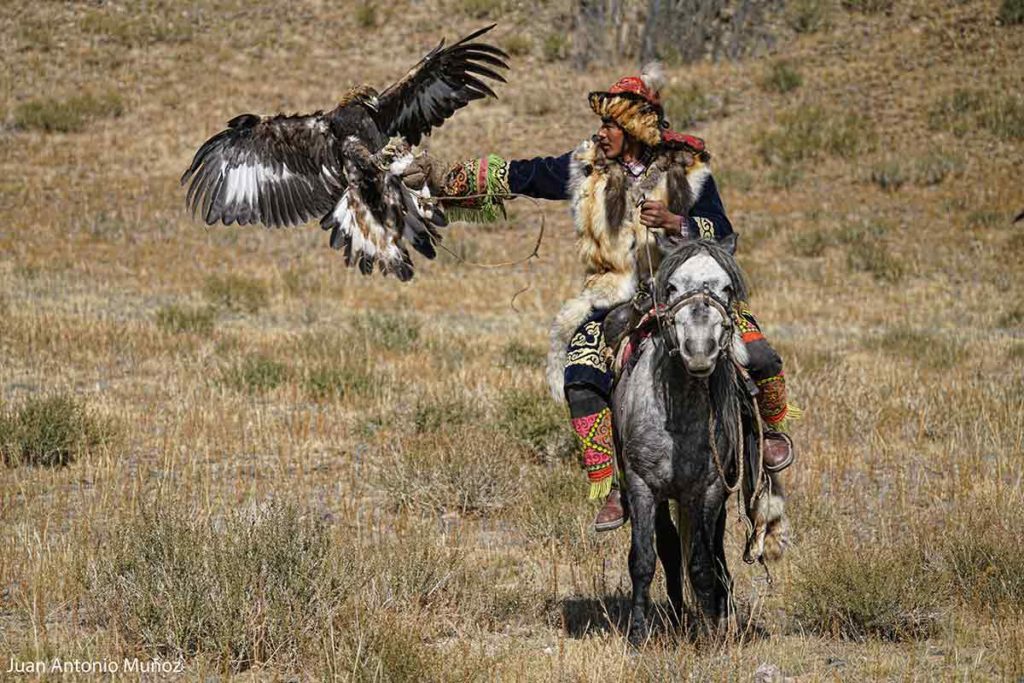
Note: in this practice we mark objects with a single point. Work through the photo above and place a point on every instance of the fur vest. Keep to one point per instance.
(612, 243)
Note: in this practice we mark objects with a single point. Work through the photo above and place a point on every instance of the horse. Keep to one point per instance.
(686, 428)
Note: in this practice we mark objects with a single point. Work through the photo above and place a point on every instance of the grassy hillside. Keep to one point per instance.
(276, 467)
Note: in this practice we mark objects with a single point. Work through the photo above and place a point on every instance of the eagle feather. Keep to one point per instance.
(344, 166)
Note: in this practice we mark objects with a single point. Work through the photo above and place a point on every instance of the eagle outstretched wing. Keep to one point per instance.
(344, 166)
(445, 80)
(276, 170)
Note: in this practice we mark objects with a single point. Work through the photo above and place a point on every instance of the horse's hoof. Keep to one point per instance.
(638, 635)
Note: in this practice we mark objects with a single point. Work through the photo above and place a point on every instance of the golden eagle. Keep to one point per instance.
(344, 165)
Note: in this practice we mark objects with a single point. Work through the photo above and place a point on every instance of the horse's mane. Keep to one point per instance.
(691, 248)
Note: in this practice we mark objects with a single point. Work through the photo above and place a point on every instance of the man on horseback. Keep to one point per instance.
(635, 185)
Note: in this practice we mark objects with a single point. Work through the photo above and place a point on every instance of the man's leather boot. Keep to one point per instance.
(613, 514)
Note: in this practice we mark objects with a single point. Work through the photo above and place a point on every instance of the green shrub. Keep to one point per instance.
(517, 354)
(555, 47)
(69, 115)
(868, 6)
(967, 109)
(784, 176)
(809, 16)
(984, 558)
(244, 589)
(813, 131)
(889, 175)
(876, 259)
(933, 351)
(1011, 12)
(781, 77)
(686, 105)
(329, 381)
(50, 432)
(366, 14)
(555, 511)
(936, 166)
(391, 331)
(236, 292)
(518, 45)
(434, 414)
(734, 179)
(462, 469)
(983, 218)
(179, 319)
(811, 243)
(857, 592)
(536, 422)
(256, 374)
(481, 9)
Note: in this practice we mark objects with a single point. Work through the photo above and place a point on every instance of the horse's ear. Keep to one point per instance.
(729, 243)
(666, 244)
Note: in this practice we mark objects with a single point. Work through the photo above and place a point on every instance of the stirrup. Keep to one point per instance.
(780, 436)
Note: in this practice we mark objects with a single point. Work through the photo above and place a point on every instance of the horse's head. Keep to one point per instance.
(697, 285)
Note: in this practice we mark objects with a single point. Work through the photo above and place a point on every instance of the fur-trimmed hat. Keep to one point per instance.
(634, 102)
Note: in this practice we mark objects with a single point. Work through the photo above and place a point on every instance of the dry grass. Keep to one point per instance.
(368, 480)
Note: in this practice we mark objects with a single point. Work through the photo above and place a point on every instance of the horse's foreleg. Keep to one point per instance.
(641, 554)
(670, 553)
(709, 575)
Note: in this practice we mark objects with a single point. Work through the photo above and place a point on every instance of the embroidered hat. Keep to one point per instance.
(634, 102)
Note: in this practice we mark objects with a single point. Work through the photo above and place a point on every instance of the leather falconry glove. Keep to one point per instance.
(426, 170)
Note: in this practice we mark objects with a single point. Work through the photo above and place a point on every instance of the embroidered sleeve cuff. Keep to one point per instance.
(700, 228)
(474, 190)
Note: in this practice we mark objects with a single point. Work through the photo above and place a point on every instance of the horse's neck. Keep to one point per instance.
(693, 395)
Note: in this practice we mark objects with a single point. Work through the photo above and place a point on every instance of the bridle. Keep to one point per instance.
(667, 317)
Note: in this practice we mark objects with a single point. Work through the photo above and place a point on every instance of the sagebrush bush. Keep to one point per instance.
(1011, 12)
(982, 553)
(935, 351)
(366, 14)
(807, 132)
(686, 105)
(68, 115)
(437, 413)
(517, 354)
(936, 166)
(50, 431)
(392, 331)
(536, 422)
(811, 243)
(889, 175)
(967, 109)
(481, 9)
(341, 379)
(876, 259)
(180, 319)
(255, 374)
(518, 45)
(859, 591)
(781, 77)
(464, 469)
(809, 16)
(236, 292)
(555, 47)
(868, 6)
(243, 589)
(557, 511)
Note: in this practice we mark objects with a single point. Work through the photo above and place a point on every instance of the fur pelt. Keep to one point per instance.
(612, 243)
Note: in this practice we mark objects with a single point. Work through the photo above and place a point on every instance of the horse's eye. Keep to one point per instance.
(670, 290)
(728, 291)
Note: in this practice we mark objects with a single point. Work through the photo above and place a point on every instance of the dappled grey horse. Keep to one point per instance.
(686, 430)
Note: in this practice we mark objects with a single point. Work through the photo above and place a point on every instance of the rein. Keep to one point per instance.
(665, 316)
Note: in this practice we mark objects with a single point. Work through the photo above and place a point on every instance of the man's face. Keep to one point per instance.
(610, 138)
